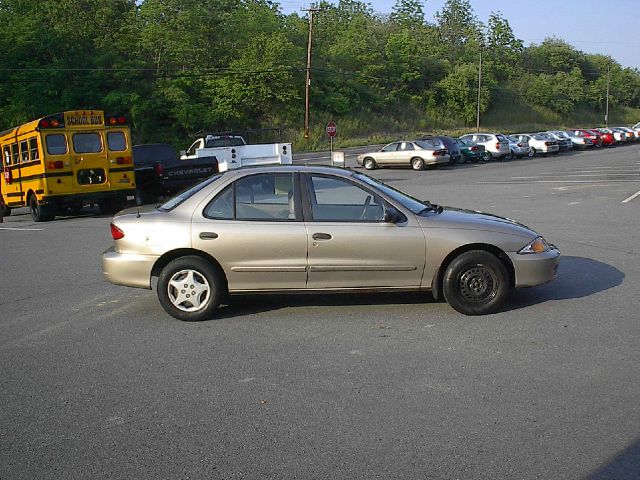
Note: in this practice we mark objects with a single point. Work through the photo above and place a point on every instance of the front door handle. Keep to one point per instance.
(208, 235)
(321, 236)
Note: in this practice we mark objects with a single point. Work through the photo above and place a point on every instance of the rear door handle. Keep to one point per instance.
(321, 236)
(208, 235)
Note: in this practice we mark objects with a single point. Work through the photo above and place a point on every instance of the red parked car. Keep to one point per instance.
(607, 137)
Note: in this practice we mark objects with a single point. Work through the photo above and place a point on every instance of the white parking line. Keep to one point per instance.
(22, 229)
(627, 200)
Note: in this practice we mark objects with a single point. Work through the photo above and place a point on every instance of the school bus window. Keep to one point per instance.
(56, 144)
(7, 155)
(24, 152)
(15, 154)
(87, 142)
(116, 141)
(33, 149)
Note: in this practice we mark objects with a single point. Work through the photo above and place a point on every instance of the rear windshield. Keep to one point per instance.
(426, 144)
(223, 142)
(87, 142)
(501, 138)
(188, 193)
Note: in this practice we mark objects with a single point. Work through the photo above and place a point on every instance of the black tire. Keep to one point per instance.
(6, 211)
(201, 278)
(417, 164)
(38, 212)
(476, 283)
(486, 156)
(369, 163)
(532, 152)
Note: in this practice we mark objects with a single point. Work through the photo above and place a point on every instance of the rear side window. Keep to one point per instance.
(34, 154)
(56, 144)
(116, 141)
(87, 143)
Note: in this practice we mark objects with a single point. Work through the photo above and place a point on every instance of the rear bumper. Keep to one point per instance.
(87, 198)
(535, 269)
(128, 269)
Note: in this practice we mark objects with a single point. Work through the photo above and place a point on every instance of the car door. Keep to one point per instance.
(254, 229)
(404, 153)
(349, 243)
(386, 156)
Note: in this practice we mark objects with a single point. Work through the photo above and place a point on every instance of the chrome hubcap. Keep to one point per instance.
(188, 290)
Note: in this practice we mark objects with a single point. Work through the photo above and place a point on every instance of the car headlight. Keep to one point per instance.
(538, 245)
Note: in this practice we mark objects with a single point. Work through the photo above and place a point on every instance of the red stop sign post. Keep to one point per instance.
(332, 130)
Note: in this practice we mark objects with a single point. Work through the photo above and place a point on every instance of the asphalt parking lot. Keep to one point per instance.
(97, 381)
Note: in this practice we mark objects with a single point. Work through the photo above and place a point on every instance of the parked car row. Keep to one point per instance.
(434, 150)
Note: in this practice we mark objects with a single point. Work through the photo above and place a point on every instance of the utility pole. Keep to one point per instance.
(479, 88)
(606, 113)
(311, 11)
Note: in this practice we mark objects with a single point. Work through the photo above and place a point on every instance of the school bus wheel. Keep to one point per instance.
(38, 212)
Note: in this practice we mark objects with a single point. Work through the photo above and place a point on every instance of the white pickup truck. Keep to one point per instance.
(232, 151)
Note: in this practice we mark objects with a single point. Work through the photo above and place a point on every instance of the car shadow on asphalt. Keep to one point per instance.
(577, 277)
(624, 466)
(240, 305)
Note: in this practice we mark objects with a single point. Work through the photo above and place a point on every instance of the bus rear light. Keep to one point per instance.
(124, 161)
(116, 233)
(121, 120)
(58, 164)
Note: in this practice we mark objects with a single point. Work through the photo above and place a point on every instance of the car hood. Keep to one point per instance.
(472, 220)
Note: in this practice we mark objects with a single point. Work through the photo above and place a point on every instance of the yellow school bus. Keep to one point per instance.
(64, 161)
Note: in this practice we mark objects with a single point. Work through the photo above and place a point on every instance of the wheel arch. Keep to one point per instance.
(164, 260)
(436, 284)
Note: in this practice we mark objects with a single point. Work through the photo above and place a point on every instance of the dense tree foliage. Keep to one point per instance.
(179, 66)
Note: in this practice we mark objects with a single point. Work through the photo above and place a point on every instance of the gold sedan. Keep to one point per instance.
(416, 154)
(306, 229)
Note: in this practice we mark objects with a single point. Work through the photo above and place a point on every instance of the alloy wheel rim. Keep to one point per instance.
(188, 290)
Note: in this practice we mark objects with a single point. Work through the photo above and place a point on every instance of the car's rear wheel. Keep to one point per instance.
(476, 283)
(486, 156)
(369, 163)
(532, 152)
(190, 289)
(417, 163)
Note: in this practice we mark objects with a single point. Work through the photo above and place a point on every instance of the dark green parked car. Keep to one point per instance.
(472, 152)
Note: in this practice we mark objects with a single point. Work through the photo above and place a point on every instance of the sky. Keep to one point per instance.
(609, 27)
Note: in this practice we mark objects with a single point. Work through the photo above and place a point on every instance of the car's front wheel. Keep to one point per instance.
(190, 289)
(369, 163)
(476, 283)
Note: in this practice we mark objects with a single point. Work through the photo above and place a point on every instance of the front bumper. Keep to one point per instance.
(536, 268)
(128, 269)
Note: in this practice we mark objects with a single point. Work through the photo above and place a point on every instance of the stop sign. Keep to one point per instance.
(332, 129)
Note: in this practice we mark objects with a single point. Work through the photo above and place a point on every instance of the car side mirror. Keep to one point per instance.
(392, 215)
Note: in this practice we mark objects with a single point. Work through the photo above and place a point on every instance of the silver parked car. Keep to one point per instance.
(519, 148)
(494, 143)
(417, 155)
(564, 141)
(309, 229)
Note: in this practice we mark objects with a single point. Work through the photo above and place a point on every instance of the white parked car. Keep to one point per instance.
(538, 143)
(494, 143)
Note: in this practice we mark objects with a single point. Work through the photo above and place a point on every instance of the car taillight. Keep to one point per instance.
(520, 145)
(498, 146)
(116, 233)
(548, 144)
(475, 149)
(159, 169)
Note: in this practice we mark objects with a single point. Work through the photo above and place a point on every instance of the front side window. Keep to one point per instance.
(87, 142)
(339, 200)
(390, 148)
(116, 141)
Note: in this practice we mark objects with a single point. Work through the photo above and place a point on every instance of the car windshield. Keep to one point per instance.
(173, 202)
(407, 201)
